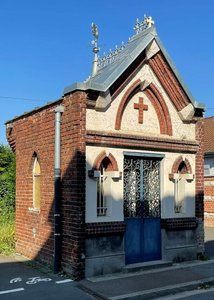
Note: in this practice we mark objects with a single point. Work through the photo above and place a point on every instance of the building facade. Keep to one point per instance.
(209, 172)
(130, 169)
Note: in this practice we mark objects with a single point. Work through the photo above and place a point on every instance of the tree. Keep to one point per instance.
(7, 179)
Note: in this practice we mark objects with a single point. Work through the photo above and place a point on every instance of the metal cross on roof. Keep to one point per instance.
(149, 21)
(142, 25)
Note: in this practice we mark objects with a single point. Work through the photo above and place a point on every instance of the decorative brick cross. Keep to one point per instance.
(141, 106)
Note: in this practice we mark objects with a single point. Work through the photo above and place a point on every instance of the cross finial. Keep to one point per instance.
(149, 22)
(142, 25)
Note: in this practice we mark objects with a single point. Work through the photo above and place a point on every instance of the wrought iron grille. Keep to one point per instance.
(141, 187)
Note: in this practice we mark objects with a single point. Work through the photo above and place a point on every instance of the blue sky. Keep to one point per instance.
(45, 45)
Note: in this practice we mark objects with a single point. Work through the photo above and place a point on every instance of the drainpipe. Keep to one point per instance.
(57, 184)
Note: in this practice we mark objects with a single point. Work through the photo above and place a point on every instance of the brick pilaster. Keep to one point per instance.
(199, 185)
(73, 183)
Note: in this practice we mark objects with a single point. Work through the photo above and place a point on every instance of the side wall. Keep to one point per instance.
(33, 134)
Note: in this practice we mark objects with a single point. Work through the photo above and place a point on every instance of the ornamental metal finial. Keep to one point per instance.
(111, 56)
(95, 33)
(141, 26)
(149, 21)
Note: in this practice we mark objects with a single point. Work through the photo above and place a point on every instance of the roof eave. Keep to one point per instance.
(82, 86)
(48, 104)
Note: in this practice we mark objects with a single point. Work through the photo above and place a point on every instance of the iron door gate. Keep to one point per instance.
(142, 209)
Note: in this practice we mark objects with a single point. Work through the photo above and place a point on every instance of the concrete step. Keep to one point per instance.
(144, 266)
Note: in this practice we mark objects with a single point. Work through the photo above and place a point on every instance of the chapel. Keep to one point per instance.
(111, 174)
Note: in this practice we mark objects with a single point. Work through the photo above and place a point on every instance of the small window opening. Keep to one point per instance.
(103, 187)
(180, 184)
(36, 184)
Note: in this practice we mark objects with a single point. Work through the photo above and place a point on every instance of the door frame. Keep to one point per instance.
(147, 155)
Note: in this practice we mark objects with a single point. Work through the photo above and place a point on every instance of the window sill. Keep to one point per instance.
(34, 210)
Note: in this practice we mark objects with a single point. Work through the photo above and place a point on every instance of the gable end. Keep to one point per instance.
(168, 80)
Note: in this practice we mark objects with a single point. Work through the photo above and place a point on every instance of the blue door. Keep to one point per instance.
(142, 209)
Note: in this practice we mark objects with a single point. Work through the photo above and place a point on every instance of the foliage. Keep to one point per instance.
(7, 235)
(7, 179)
(7, 200)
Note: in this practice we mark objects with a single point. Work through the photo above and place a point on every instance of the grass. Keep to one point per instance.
(7, 233)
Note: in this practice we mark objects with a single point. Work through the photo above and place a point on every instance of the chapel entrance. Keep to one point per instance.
(142, 209)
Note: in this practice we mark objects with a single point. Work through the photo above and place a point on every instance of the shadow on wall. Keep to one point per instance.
(72, 224)
(70, 244)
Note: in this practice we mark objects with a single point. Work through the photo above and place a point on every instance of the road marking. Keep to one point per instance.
(15, 280)
(34, 280)
(64, 281)
(11, 291)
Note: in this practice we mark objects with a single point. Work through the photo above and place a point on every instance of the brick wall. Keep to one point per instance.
(34, 133)
(209, 201)
(199, 188)
(73, 183)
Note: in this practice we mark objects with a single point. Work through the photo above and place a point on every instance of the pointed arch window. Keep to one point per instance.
(36, 184)
(103, 187)
(105, 170)
(180, 185)
(181, 174)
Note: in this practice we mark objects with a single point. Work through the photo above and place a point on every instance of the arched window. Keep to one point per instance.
(36, 184)
(180, 187)
(181, 174)
(105, 171)
(104, 187)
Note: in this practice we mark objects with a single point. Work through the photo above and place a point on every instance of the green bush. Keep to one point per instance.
(7, 200)
(7, 178)
(7, 236)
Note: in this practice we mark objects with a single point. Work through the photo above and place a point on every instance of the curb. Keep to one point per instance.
(165, 291)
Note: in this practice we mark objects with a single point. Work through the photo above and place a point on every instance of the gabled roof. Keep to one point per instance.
(209, 135)
(107, 75)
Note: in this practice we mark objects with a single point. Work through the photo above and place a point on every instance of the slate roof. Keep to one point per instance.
(209, 135)
(107, 75)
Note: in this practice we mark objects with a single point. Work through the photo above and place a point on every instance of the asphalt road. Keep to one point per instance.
(20, 281)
